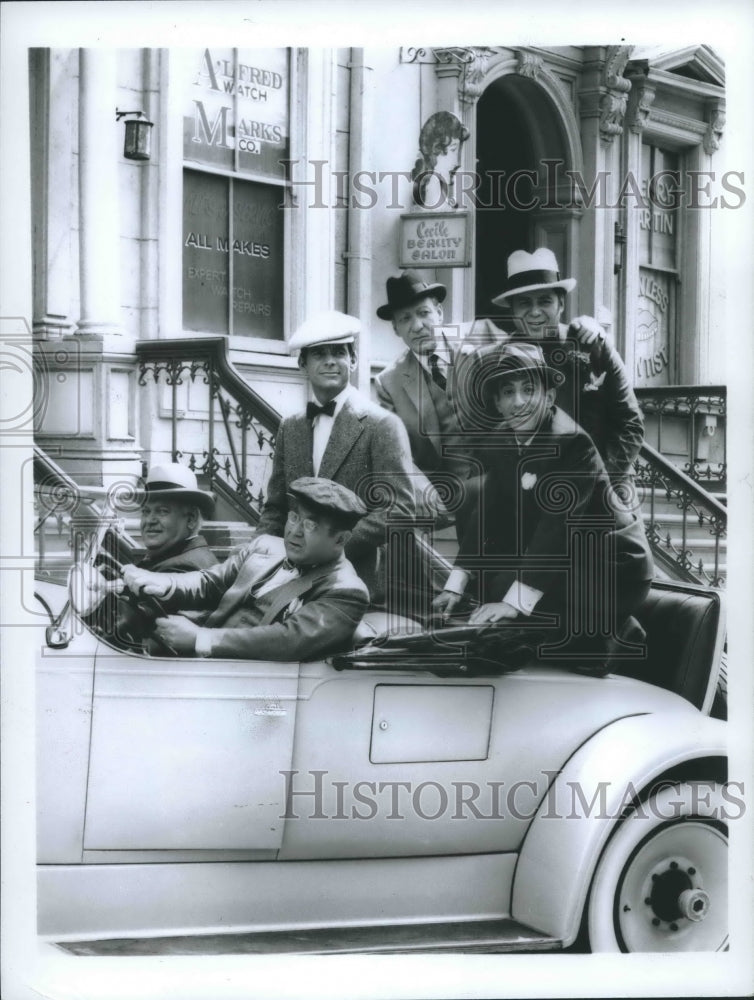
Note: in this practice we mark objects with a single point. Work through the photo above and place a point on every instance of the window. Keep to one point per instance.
(658, 270)
(235, 132)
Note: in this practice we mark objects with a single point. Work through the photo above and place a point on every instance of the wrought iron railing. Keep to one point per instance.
(703, 409)
(701, 524)
(235, 454)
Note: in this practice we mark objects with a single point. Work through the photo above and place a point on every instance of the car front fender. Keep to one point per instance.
(585, 801)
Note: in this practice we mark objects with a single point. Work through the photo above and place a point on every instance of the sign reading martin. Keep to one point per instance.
(436, 239)
(236, 109)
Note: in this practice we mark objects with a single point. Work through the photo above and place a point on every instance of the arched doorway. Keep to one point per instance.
(521, 203)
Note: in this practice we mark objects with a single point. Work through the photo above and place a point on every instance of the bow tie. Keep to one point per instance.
(313, 410)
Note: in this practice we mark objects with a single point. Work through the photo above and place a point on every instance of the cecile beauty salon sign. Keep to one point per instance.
(439, 239)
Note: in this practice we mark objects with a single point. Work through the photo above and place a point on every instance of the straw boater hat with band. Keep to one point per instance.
(406, 289)
(176, 482)
(533, 272)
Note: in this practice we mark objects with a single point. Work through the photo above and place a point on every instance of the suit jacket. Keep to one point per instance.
(537, 505)
(309, 617)
(403, 389)
(193, 554)
(368, 452)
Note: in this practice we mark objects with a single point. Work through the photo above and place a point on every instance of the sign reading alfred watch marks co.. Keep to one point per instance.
(236, 109)
(435, 239)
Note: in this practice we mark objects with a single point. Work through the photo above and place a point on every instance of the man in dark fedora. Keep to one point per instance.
(345, 437)
(596, 391)
(290, 598)
(416, 385)
(545, 538)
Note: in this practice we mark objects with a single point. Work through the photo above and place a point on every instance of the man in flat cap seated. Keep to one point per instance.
(290, 598)
(345, 437)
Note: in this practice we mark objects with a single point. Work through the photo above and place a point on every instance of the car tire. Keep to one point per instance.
(661, 883)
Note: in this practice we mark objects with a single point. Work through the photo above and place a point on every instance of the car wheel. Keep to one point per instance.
(661, 883)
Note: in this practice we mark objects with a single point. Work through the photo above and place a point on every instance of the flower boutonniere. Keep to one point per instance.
(594, 383)
(528, 479)
(293, 607)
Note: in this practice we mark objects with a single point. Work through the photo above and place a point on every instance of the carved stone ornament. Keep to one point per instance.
(614, 100)
(642, 108)
(529, 64)
(715, 129)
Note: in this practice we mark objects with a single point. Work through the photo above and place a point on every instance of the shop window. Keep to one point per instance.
(235, 133)
(659, 268)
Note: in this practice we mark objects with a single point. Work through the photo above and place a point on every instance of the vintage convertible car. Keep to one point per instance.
(388, 800)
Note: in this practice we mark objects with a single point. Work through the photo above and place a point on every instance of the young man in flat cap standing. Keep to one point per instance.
(345, 437)
(290, 598)
(415, 385)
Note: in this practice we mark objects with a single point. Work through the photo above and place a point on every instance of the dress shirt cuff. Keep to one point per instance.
(457, 581)
(522, 598)
(203, 644)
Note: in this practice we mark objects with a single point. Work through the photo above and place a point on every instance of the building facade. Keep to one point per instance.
(284, 181)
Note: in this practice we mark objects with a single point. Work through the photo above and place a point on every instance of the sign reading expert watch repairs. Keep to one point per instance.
(435, 239)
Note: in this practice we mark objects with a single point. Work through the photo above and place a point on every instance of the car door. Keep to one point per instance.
(186, 755)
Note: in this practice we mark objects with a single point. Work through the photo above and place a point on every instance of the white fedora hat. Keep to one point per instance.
(174, 481)
(530, 272)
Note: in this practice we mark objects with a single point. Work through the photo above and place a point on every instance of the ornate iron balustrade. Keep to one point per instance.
(694, 403)
(659, 480)
(241, 426)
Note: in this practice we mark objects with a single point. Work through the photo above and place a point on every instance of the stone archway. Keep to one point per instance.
(524, 145)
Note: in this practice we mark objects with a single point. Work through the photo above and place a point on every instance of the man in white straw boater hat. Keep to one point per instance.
(596, 391)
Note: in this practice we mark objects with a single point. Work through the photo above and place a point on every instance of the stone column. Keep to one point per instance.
(99, 250)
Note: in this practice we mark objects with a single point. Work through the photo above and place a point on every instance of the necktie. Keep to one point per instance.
(313, 410)
(434, 368)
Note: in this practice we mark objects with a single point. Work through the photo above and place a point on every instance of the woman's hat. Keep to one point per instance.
(530, 272)
(478, 378)
(406, 289)
(177, 482)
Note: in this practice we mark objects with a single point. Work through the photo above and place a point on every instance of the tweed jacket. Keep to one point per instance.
(309, 617)
(368, 452)
(402, 389)
(541, 503)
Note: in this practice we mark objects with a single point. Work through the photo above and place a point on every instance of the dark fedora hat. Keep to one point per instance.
(407, 288)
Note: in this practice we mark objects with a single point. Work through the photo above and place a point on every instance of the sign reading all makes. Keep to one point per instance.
(435, 239)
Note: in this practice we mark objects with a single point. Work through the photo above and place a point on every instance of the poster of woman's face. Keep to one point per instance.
(440, 142)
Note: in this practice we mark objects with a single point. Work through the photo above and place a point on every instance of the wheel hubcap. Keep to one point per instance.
(673, 892)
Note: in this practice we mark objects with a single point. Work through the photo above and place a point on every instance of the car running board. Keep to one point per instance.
(477, 936)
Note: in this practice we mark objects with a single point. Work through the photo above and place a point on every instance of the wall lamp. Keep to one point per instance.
(619, 248)
(138, 142)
